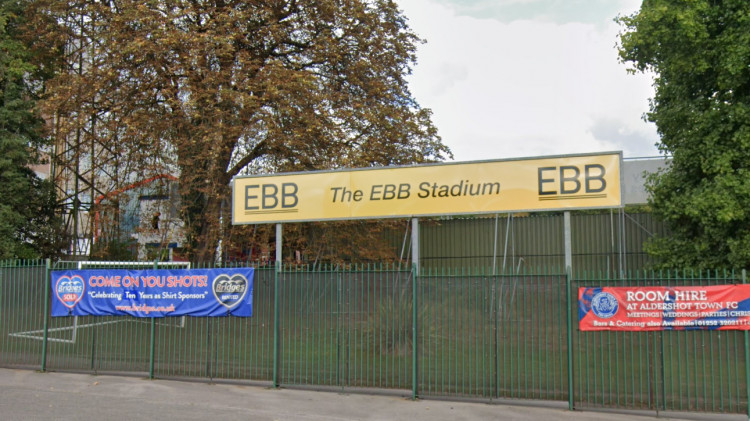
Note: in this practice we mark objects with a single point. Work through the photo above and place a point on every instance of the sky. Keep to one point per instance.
(525, 78)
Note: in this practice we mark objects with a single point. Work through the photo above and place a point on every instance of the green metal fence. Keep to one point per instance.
(679, 370)
(443, 333)
(492, 336)
(22, 312)
(346, 327)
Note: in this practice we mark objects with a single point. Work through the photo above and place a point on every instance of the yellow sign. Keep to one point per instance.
(547, 183)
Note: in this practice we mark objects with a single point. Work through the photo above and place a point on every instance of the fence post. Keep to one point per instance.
(569, 323)
(340, 330)
(153, 340)
(47, 286)
(276, 299)
(568, 275)
(747, 355)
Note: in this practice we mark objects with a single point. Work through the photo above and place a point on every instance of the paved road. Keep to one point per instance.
(28, 395)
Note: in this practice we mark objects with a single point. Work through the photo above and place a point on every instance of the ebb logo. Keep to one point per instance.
(271, 198)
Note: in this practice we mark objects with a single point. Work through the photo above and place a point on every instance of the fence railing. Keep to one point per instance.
(673, 370)
(447, 333)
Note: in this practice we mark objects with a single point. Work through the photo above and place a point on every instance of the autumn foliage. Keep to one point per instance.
(209, 90)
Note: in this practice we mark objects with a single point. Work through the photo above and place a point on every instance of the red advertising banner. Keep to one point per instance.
(720, 307)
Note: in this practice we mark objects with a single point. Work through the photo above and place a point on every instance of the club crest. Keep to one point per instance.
(604, 305)
(69, 290)
(229, 291)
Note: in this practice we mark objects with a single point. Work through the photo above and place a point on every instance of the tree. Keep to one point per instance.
(28, 225)
(227, 87)
(699, 52)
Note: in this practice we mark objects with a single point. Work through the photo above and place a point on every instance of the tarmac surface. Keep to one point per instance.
(30, 395)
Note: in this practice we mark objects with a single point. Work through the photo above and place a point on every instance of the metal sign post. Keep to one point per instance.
(415, 322)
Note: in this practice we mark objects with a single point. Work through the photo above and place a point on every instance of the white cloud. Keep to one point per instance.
(527, 87)
(560, 11)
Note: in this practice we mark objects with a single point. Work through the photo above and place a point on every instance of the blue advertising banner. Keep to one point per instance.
(153, 293)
